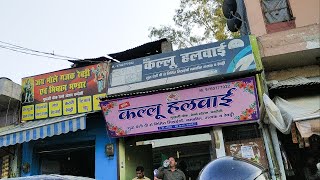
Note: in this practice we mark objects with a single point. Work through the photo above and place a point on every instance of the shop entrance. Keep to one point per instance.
(192, 152)
(71, 159)
(300, 162)
(192, 156)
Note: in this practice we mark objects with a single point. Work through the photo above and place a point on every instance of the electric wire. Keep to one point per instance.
(64, 59)
(28, 49)
(11, 49)
(33, 52)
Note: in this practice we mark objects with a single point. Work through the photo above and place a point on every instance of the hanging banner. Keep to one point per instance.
(223, 103)
(223, 58)
(64, 92)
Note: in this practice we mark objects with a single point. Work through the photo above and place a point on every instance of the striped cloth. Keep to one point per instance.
(39, 129)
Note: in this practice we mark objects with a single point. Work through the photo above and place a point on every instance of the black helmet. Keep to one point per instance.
(232, 168)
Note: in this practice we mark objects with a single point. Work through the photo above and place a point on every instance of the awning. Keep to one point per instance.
(39, 129)
(282, 113)
(309, 127)
(293, 82)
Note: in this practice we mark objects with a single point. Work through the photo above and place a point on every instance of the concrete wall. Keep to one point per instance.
(10, 89)
(306, 71)
(105, 167)
(305, 12)
(9, 102)
(11, 116)
(298, 39)
(291, 48)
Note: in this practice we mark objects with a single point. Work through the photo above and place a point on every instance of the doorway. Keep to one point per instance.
(192, 152)
(191, 157)
(71, 159)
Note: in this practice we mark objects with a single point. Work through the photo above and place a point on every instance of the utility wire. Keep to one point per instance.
(64, 59)
(27, 49)
(11, 49)
(24, 50)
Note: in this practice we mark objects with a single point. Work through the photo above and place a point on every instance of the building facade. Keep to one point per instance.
(188, 104)
(168, 105)
(288, 36)
(9, 116)
(55, 124)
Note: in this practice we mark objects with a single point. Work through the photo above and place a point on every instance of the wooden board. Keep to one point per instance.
(252, 149)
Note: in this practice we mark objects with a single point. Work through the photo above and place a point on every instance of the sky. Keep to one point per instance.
(74, 28)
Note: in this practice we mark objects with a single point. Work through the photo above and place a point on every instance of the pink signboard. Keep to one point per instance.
(223, 103)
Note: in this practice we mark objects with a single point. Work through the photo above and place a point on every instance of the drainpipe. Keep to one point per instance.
(269, 136)
(273, 166)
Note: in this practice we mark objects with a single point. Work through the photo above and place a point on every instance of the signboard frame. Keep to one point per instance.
(64, 92)
(123, 116)
(224, 58)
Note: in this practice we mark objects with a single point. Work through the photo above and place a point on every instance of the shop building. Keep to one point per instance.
(170, 105)
(59, 132)
(288, 36)
(9, 116)
(61, 129)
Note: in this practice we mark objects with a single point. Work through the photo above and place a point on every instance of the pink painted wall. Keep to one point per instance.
(255, 17)
(306, 12)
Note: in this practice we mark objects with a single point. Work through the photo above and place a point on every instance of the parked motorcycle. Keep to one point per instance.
(232, 168)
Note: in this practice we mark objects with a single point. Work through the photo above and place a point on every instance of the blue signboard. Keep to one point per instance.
(208, 60)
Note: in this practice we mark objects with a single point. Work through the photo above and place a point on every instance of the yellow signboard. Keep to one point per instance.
(55, 108)
(65, 92)
(41, 110)
(96, 101)
(69, 106)
(84, 104)
(28, 112)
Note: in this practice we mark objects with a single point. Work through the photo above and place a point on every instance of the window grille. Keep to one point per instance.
(276, 11)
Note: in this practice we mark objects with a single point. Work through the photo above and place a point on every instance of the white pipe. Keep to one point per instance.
(266, 140)
(277, 151)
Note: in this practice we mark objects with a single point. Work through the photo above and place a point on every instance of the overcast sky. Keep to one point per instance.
(76, 28)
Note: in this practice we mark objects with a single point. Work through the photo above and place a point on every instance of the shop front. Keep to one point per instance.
(194, 125)
(9, 159)
(295, 119)
(62, 131)
(69, 145)
(195, 104)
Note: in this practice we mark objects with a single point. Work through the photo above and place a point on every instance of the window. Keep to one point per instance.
(277, 15)
(276, 11)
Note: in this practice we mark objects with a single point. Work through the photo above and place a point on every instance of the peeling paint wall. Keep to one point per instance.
(306, 71)
(293, 40)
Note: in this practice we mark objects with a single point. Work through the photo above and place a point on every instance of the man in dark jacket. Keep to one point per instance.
(171, 172)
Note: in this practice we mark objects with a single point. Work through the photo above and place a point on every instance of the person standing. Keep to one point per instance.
(171, 172)
(140, 174)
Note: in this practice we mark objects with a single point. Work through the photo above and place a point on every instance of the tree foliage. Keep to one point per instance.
(195, 22)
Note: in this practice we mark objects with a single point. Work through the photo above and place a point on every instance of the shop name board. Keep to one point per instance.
(223, 103)
(219, 58)
(64, 92)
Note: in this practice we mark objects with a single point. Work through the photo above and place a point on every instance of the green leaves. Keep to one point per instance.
(195, 22)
